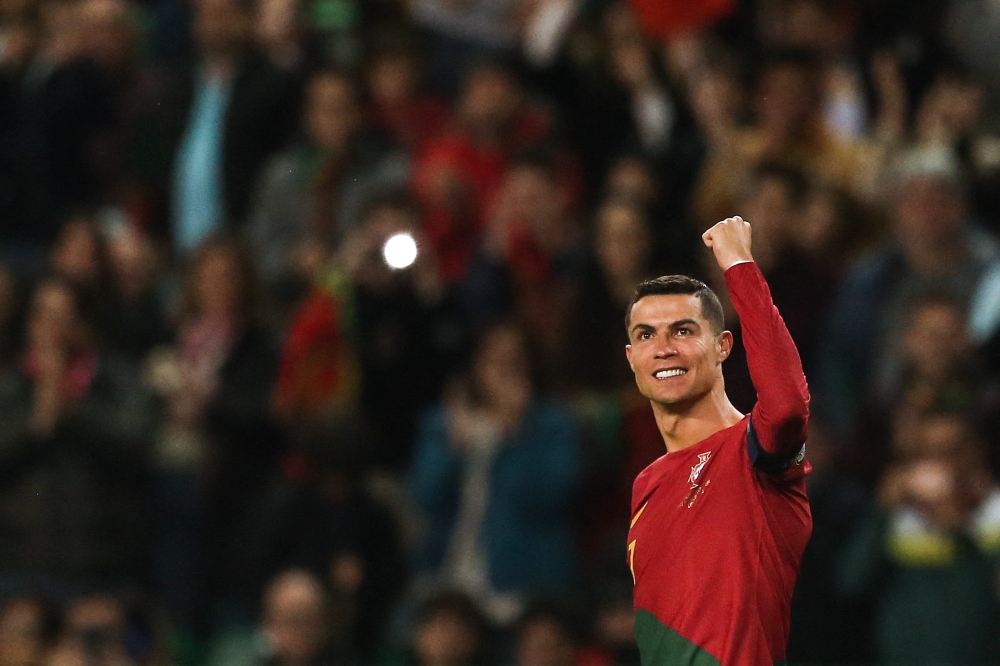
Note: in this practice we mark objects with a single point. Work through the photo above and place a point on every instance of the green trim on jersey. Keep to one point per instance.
(659, 645)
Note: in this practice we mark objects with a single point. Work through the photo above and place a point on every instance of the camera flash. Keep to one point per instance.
(400, 251)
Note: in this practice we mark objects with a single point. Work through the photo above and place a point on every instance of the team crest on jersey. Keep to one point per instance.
(696, 469)
(697, 489)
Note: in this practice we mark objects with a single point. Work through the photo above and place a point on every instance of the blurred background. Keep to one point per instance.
(231, 435)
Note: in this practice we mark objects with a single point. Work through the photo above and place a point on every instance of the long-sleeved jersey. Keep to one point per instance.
(718, 528)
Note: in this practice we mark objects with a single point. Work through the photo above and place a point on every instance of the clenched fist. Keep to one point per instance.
(730, 241)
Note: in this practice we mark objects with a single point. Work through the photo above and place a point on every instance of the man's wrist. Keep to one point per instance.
(738, 262)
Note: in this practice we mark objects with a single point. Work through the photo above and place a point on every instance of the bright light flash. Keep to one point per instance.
(400, 251)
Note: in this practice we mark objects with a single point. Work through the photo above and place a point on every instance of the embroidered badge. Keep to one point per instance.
(696, 469)
(697, 488)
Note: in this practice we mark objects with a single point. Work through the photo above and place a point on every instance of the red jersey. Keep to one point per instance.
(718, 528)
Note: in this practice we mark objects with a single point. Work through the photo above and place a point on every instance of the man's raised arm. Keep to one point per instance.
(779, 421)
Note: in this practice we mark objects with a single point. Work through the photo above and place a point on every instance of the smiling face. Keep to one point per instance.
(673, 351)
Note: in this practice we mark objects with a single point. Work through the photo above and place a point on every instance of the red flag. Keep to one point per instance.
(664, 18)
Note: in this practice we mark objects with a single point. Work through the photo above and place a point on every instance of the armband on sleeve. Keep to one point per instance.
(770, 463)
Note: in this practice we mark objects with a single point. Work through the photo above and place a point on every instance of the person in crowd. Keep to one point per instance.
(321, 518)
(451, 630)
(76, 431)
(615, 99)
(458, 175)
(216, 125)
(621, 256)
(139, 321)
(94, 631)
(277, 33)
(80, 255)
(831, 227)
(936, 364)
(802, 285)
(934, 246)
(112, 39)
(216, 383)
(495, 474)
(675, 245)
(399, 106)
(312, 195)
(788, 129)
(545, 637)
(108, 629)
(927, 551)
(413, 320)
(61, 112)
(114, 271)
(531, 259)
(26, 631)
(299, 626)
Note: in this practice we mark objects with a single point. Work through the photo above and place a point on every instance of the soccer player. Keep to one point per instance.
(719, 523)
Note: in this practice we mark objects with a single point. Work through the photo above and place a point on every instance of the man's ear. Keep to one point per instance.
(628, 355)
(725, 345)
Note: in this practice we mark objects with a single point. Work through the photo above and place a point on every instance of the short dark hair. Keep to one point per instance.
(668, 285)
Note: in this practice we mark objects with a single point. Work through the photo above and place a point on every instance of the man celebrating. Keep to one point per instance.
(719, 523)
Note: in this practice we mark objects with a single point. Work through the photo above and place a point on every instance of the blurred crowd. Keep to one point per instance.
(232, 435)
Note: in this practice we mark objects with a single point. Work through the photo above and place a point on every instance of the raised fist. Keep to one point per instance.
(730, 241)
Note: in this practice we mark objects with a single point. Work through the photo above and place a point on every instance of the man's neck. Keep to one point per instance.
(684, 426)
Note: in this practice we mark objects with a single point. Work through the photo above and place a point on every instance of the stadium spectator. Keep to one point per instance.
(458, 175)
(80, 255)
(139, 321)
(788, 129)
(927, 552)
(450, 631)
(60, 112)
(936, 369)
(545, 637)
(77, 430)
(934, 246)
(312, 195)
(217, 123)
(827, 627)
(399, 107)
(300, 626)
(530, 260)
(25, 631)
(320, 517)
(495, 475)
(106, 629)
(219, 440)
(409, 326)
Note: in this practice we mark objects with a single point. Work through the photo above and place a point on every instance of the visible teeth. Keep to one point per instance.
(676, 372)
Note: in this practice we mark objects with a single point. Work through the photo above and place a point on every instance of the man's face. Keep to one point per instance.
(221, 26)
(294, 620)
(673, 352)
(929, 212)
(332, 116)
(622, 242)
(786, 100)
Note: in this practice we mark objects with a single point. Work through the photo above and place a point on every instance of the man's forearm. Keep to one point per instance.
(781, 415)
